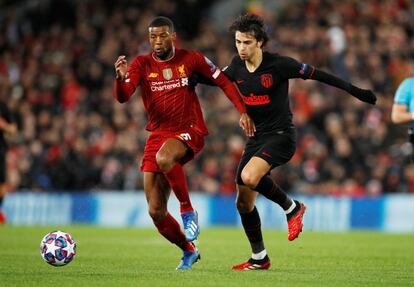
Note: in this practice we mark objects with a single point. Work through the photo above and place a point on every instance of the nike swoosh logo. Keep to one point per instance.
(239, 81)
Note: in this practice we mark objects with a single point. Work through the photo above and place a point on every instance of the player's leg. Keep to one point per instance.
(250, 218)
(254, 175)
(157, 192)
(169, 158)
(252, 227)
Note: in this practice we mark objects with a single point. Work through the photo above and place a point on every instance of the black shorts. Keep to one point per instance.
(2, 166)
(276, 148)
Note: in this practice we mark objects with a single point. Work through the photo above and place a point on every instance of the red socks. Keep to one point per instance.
(178, 183)
(170, 229)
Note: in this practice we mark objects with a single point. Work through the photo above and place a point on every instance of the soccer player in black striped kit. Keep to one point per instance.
(263, 80)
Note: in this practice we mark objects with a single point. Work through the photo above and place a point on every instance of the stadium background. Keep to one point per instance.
(74, 163)
(56, 74)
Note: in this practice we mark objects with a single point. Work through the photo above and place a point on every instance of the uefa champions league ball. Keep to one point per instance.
(58, 248)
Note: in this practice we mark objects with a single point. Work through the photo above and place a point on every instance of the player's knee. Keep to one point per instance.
(249, 178)
(157, 213)
(244, 206)
(164, 162)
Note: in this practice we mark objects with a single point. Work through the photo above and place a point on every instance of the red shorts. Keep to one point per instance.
(193, 139)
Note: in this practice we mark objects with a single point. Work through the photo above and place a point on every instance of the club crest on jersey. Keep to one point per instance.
(181, 71)
(167, 74)
(266, 80)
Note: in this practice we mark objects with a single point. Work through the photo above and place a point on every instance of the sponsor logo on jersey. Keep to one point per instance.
(181, 71)
(211, 64)
(167, 74)
(256, 100)
(159, 86)
(153, 75)
(266, 80)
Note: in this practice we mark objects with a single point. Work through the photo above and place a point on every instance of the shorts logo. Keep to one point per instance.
(266, 154)
(266, 80)
(167, 74)
(184, 136)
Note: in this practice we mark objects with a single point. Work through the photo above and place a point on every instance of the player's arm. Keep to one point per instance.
(293, 69)
(207, 69)
(197, 78)
(400, 113)
(126, 80)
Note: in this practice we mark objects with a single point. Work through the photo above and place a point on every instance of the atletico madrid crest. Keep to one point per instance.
(267, 80)
(167, 74)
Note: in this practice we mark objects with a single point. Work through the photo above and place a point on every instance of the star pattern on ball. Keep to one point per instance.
(51, 247)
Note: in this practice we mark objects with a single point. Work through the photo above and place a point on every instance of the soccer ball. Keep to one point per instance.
(58, 248)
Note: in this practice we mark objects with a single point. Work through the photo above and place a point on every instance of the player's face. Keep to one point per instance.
(161, 40)
(247, 45)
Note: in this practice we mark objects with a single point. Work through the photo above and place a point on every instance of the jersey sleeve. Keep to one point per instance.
(404, 92)
(126, 87)
(229, 71)
(290, 68)
(206, 68)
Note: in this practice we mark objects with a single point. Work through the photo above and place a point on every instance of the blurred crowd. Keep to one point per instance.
(56, 75)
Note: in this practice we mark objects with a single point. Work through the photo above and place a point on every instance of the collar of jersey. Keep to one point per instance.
(172, 56)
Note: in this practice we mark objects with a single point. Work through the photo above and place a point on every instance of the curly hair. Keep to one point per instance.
(162, 21)
(250, 23)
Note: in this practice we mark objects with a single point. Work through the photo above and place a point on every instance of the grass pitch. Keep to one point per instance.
(141, 257)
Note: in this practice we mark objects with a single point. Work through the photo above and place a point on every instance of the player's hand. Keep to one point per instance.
(364, 95)
(121, 67)
(247, 124)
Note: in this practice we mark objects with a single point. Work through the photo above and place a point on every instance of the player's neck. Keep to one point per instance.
(254, 62)
(167, 58)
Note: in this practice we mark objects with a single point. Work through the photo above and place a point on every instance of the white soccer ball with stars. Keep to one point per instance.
(58, 248)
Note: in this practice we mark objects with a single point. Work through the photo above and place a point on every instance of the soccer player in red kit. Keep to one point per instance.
(176, 124)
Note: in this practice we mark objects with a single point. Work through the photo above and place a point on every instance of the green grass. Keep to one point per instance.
(141, 257)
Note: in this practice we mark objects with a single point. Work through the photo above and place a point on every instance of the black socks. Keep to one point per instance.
(252, 228)
(272, 191)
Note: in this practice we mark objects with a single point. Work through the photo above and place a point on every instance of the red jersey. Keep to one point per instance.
(171, 103)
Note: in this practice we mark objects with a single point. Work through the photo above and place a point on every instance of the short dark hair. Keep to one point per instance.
(162, 21)
(250, 23)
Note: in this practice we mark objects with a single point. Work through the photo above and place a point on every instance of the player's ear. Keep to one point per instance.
(173, 36)
(259, 44)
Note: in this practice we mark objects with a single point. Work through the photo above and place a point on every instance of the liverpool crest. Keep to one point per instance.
(167, 74)
(181, 70)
